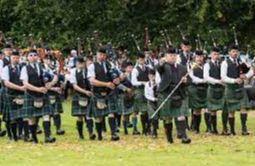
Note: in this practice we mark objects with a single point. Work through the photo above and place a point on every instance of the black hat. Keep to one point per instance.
(199, 53)
(171, 50)
(80, 59)
(15, 52)
(102, 50)
(215, 49)
(129, 64)
(233, 47)
(32, 51)
(140, 54)
(186, 42)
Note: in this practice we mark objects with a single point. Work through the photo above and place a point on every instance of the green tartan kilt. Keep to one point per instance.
(152, 107)
(197, 98)
(140, 104)
(2, 92)
(235, 104)
(97, 113)
(57, 107)
(77, 110)
(214, 104)
(11, 110)
(167, 111)
(29, 111)
(115, 103)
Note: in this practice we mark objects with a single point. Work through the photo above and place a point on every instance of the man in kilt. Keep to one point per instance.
(138, 80)
(215, 93)
(36, 102)
(14, 94)
(2, 132)
(171, 74)
(128, 101)
(235, 95)
(82, 101)
(7, 51)
(151, 96)
(104, 89)
(198, 92)
(54, 93)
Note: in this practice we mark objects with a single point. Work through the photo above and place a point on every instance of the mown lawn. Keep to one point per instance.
(142, 151)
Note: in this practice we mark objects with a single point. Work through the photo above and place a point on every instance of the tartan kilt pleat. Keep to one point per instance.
(140, 104)
(29, 111)
(167, 111)
(115, 103)
(77, 110)
(11, 110)
(57, 107)
(233, 104)
(212, 103)
(152, 107)
(97, 113)
(2, 92)
(195, 100)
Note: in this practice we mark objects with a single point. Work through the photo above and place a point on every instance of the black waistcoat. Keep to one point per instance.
(214, 71)
(14, 74)
(34, 79)
(82, 80)
(233, 70)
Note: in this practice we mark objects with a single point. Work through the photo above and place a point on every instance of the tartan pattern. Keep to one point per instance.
(57, 107)
(196, 101)
(232, 105)
(1, 100)
(77, 110)
(11, 110)
(214, 104)
(29, 110)
(115, 103)
(166, 111)
(140, 104)
(152, 106)
(97, 112)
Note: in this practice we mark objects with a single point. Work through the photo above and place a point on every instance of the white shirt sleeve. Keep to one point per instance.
(5, 74)
(207, 77)
(23, 74)
(223, 70)
(250, 73)
(148, 92)
(1, 67)
(91, 71)
(157, 78)
(195, 79)
(73, 76)
(134, 76)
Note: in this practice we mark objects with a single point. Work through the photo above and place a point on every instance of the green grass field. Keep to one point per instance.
(143, 151)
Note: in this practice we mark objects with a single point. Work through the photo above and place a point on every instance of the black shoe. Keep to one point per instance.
(214, 132)
(60, 132)
(170, 140)
(117, 130)
(92, 137)
(245, 133)
(225, 133)
(100, 138)
(2, 133)
(232, 133)
(50, 140)
(136, 133)
(179, 136)
(186, 140)
(39, 131)
(115, 138)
